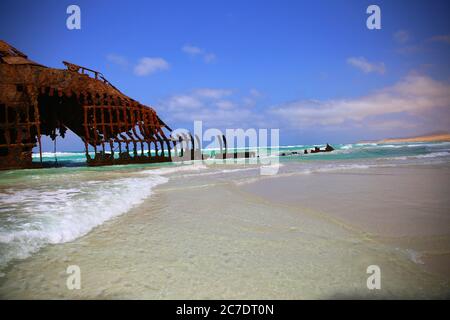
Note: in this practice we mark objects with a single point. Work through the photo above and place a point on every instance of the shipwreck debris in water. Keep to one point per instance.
(328, 148)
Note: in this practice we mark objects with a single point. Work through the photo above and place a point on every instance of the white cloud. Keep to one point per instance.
(184, 103)
(117, 59)
(366, 66)
(402, 36)
(194, 51)
(148, 66)
(212, 93)
(209, 57)
(415, 103)
(218, 108)
(255, 93)
(225, 105)
(415, 96)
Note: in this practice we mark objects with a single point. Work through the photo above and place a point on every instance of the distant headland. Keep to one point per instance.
(432, 137)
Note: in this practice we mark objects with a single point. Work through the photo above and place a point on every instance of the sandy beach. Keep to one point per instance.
(226, 232)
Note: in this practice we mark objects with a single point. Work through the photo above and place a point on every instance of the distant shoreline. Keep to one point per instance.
(441, 137)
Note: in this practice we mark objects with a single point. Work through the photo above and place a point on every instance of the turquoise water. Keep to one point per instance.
(342, 152)
(39, 207)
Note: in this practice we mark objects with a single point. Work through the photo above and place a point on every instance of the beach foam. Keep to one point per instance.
(33, 218)
(58, 154)
(175, 169)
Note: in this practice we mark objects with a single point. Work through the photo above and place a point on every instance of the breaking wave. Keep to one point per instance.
(33, 218)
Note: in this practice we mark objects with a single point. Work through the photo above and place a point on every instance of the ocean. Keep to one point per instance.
(221, 230)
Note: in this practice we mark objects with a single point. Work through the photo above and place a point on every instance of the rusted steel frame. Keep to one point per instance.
(119, 129)
(134, 119)
(155, 126)
(133, 128)
(145, 124)
(20, 125)
(111, 139)
(38, 129)
(7, 132)
(158, 126)
(27, 120)
(157, 130)
(127, 131)
(117, 139)
(119, 124)
(17, 145)
(125, 116)
(137, 115)
(18, 132)
(86, 131)
(148, 121)
(162, 136)
(167, 141)
(145, 130)
(139, 123)
(94, 123)
(107, 123)
(97, 102)
(79, 69)
(161, 144)
(137, 119)
(102, 117)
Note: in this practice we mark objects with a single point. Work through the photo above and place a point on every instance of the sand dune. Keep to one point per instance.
(424, 138)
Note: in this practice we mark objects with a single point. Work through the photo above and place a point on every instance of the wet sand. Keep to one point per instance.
(220, 237)
(405, 207)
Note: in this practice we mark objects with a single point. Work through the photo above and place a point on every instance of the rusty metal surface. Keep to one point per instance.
(36, 100)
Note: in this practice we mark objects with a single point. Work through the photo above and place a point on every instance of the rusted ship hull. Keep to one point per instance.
(36, 100)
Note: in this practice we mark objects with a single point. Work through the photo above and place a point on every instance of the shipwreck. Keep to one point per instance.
(36, 100)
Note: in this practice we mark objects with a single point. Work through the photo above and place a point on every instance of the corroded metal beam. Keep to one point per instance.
(36, 100)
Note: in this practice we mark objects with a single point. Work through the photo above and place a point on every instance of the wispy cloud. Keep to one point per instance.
(145, 66)
(194, 51)
(215, 107)
(445, 38)
(209, 57)
(117, 59)
(148, 66)
(402, 36)
(416, 102)
(406, 46)
(212, 93)
(416, 97)
(365, 66)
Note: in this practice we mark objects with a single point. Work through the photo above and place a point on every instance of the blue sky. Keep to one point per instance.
(310, 68)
